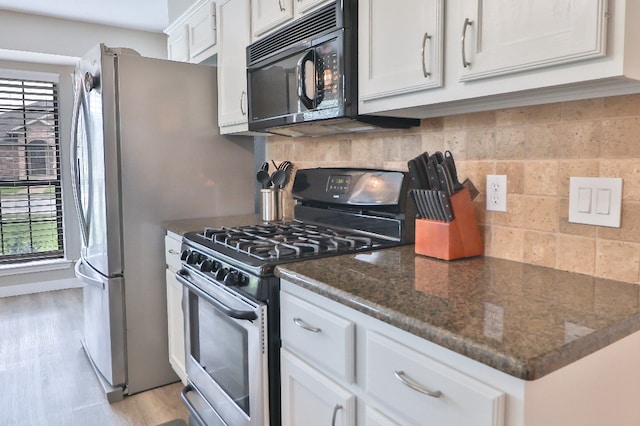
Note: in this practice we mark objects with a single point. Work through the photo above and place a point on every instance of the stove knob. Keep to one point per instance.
(215, 266)
(185, 254)
(242, 280)
(231, 278)
(220, 274)
(206, 266)
(193, 258)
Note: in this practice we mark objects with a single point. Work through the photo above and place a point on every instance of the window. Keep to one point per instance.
(30, 187)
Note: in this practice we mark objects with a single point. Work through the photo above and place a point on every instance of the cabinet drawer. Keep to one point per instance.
(319, 336)
(400, 378)
(172, 252)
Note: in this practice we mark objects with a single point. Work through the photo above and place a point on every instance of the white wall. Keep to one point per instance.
(53, 36)
(51, 45)
(177, 8)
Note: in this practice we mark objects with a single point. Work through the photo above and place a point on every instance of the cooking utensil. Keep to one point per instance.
(263, 178)
(278, 178)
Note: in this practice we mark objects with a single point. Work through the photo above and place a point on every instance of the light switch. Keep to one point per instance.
(603, 201)
(595, 201)
(584, 200)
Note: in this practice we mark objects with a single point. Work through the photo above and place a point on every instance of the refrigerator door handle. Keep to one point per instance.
(86, 278)
(75, 170)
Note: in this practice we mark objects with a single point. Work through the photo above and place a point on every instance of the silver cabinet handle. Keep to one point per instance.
(424, 66)
(242, 96)
(301, 323)
(172, 251)
(282, 9)
(467, 23)
(337, 408)
(416, 387)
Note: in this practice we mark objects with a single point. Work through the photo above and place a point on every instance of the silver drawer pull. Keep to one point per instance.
(172, 251)
(337, 408)
(416, 387)
(467, 23)
(426, 73)
(301, 323)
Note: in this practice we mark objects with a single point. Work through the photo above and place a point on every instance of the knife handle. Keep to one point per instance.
(445, 202)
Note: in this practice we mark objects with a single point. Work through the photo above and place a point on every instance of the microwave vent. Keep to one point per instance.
(324, 20)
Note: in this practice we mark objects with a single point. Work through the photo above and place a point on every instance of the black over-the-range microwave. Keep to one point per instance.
(303, 78)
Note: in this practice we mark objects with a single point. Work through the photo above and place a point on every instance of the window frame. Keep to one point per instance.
(50, 180)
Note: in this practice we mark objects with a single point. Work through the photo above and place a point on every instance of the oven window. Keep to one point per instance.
(221, 348)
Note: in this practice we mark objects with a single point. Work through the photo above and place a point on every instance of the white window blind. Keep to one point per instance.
(30, 187)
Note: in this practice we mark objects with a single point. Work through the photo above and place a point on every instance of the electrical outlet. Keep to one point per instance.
(497, 193)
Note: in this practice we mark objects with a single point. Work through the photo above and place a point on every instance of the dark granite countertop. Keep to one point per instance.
(524, 320)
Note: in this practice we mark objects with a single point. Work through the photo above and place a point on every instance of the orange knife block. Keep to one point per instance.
(451, 240)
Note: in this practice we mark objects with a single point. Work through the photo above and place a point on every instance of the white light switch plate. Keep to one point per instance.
(595, 201)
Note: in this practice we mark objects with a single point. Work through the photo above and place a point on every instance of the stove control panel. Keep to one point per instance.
(214, 269)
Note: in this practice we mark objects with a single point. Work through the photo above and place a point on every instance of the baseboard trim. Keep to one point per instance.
(39, 287)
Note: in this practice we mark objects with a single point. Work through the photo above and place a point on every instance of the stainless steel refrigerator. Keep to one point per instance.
(145, 149)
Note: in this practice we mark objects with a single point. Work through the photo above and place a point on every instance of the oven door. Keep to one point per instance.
(225, 356)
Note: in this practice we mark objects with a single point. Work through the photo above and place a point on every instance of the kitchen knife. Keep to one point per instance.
(422, 202)
(453, 172)
(416, 180)
(437, 157)
(422, 170)
(445, 203)
(412, 196)
(428, 204)
(435, 205)
(444, 179)
(432, 174)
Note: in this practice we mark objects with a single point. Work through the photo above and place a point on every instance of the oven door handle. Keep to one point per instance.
(230, 312)
(192, 410)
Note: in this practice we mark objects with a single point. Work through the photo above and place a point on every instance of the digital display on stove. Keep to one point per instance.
(339, 184)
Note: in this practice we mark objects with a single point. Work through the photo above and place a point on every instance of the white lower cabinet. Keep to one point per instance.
(392, 383)
(310, 398)
(175, 317)
(402, 379)
(416, 387)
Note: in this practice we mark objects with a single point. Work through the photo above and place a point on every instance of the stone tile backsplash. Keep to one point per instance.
(538, 148)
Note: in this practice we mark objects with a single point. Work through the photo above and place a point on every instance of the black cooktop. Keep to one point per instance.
(261, 247)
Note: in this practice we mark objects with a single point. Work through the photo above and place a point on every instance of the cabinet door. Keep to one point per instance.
(268, 14)
(311, 399)
(176, 325)
(400, 48)
(178, 44)
(234, 35)
(505, 36)
(303, 6)
(202, 31)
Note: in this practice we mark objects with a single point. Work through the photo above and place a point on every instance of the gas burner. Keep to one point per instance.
(272, 243)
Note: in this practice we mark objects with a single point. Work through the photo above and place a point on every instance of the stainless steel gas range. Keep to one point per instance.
(231, 295)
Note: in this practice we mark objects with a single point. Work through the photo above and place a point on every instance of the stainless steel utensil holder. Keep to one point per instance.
(272, 204)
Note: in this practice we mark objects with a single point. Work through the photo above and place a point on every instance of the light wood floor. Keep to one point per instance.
(46, 378)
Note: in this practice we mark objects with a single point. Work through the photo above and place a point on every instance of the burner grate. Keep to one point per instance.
(286, 240)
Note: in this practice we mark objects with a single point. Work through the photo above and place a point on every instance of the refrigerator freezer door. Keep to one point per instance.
(104, 323)
(94, 163)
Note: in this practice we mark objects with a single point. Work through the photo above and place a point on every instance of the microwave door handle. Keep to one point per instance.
(302, 74)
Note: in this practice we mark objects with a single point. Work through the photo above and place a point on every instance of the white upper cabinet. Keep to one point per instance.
(501, 54)
(234, 17)
(268, 14)
(192, 37)
(400, 48)
(503, 36)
